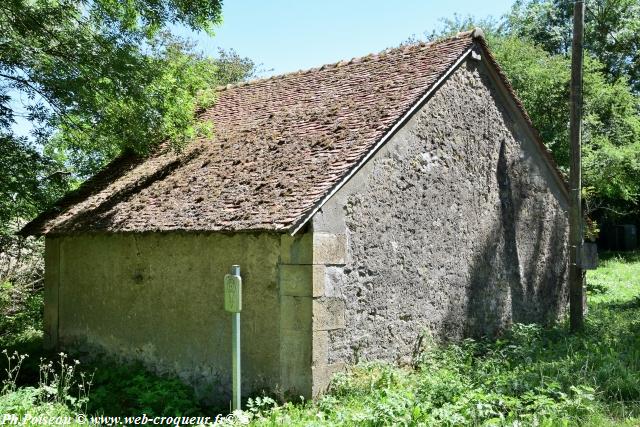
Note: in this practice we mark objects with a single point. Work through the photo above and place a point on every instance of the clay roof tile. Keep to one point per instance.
(280, 145)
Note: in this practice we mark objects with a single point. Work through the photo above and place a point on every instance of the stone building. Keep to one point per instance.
(369, 203)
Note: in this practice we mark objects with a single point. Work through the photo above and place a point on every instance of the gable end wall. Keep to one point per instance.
(456, 227)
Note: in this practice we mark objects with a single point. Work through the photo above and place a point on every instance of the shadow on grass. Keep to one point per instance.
(631, 304)
(629, 257)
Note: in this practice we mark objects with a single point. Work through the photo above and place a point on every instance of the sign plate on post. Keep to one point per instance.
(232, 293)
(588, 256)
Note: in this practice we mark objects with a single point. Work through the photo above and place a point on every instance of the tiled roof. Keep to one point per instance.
(280, 145)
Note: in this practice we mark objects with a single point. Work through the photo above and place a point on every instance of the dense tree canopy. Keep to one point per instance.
(93, 78)
(532, 44)
(612, 31)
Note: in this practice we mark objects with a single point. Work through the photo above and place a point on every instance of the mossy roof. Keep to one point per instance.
(280, 145)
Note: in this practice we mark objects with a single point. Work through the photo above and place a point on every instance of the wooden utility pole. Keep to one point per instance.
(576, 297)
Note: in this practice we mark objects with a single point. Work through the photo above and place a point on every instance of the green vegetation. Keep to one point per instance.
(66, 388)
(130, 389)
(532, 45)
(21, 299)
(44, 383)
(95, 78)
(60, 391)
(83, 80)
(610, 31)
(530, 376)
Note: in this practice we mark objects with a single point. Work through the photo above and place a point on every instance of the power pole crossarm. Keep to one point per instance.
(576, 301)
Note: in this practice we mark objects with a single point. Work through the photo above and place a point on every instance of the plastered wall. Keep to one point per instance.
(158, 298)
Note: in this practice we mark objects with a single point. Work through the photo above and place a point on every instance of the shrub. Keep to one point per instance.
(131, 389)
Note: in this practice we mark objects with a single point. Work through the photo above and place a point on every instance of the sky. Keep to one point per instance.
(282, 36)
(286, 35)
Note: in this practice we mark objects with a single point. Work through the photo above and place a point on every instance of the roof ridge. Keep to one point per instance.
(302, 153)
(475, 33)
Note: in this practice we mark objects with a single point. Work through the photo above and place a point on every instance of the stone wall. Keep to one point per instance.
(158, 298)
(456, 227)
(310, 310)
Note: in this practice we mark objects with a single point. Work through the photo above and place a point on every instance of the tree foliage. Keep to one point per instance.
(92, 78)
(611, 125)
(612, 31)
(22, 193)
(532, 45)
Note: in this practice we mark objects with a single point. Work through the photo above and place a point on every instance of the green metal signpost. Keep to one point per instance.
(233, 304)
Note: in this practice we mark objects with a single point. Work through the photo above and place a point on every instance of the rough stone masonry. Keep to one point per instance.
(455, 228)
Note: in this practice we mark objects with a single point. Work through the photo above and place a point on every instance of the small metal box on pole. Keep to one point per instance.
(233, 304)
(588, 256)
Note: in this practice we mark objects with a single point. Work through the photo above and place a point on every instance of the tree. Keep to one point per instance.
(611, 127)
(612, 31)
(94, 78)
(21, 192)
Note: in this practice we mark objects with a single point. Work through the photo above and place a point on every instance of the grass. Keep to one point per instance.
(531, 376)
(617, 279)
(116, 388)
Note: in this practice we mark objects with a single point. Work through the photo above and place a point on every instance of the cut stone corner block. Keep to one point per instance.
(295, 314)
(329, 248)
(320, 347)
(309, 280)
(51, 291)
(295, 363)
(302, 280)
(314, 248)
(328, 314)
(322, 376)
(296, 249)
